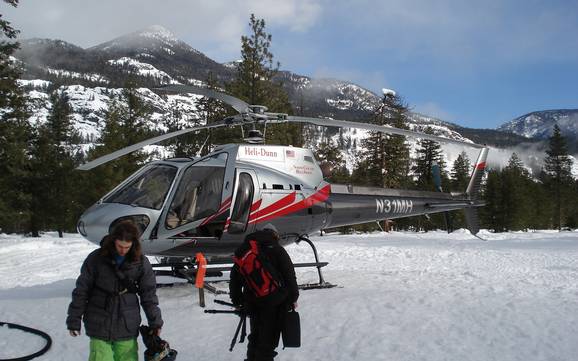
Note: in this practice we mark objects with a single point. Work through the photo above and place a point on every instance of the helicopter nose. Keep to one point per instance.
(98, 220)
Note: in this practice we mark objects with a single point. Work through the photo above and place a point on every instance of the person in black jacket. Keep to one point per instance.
(115, 281)
(265, 317)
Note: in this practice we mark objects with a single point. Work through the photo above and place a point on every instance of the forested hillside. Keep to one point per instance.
(62, 105)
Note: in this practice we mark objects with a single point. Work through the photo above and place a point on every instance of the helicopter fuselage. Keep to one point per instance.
(209, 204)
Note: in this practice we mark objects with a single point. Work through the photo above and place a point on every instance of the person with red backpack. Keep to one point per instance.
(263, 284)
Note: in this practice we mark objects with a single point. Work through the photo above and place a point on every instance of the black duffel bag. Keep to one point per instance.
(291, 329)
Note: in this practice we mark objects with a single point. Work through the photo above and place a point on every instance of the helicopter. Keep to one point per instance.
(208, 204)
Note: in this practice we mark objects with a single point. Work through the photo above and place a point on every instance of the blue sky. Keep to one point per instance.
(475, 63)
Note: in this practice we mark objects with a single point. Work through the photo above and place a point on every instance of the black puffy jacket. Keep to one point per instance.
(108, 313)
(279, 259)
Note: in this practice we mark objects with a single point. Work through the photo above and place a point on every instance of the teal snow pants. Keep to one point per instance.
(126, 350)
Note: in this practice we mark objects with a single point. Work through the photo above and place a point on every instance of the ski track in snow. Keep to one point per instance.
(402, 296)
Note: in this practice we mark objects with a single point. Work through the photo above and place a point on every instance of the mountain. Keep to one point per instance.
(153, 57)
(540, 124)
(158, 47)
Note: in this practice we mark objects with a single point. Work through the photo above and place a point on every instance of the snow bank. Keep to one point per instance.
(402, 296)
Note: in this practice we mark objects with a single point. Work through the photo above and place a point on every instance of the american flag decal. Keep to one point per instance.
(290, 153)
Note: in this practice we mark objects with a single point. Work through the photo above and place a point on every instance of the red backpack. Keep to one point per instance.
(259, 274)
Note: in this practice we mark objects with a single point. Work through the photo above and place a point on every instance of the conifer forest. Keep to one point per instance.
(40, 190)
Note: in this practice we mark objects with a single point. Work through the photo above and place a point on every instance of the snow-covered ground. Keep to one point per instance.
(403, 296)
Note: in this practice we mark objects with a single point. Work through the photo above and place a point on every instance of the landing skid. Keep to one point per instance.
(322, 283)
(186, 269)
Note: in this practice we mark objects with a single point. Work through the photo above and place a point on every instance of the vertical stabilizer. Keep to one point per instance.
(472, 220)
(473, 190)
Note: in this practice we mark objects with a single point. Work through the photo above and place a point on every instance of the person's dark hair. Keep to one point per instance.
(124, 231)
(274, 234)
(264, 235)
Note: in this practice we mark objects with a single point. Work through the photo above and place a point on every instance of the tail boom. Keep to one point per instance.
(355, 205)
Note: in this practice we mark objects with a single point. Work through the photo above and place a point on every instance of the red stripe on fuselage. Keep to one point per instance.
(256, 205)
(319, 196)
(283, 202)
(224, 206)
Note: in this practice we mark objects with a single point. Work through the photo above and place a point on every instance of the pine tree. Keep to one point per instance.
(558, 174)
(255, 82)
(493, 215)
(125, 124)
(386, 160)
(328, 154)
(516, 202)
(460, 178)
(186, 145)
(213, 111)
(428, 154)
(460, 174)
(572, 219)
(54, 179)
(15, 137)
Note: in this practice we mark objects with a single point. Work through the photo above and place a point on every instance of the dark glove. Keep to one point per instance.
(156, 331)
(151, 339)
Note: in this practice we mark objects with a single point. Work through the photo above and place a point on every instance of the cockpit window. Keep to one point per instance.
(148, 190)
(198, 195)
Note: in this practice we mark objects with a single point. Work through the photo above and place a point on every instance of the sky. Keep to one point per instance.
(474, 63)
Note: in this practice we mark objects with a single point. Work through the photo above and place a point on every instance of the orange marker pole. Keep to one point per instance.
(200, 279)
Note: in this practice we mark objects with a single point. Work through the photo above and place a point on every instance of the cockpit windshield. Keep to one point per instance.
(198, 195)
(148, 190)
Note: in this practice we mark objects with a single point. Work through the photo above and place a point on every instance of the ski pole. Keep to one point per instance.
(234, 340)
(222, 311)
(225, 303)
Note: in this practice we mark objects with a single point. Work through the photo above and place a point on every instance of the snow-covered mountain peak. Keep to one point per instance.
(152, 37)
(158, 32)
(540, 124)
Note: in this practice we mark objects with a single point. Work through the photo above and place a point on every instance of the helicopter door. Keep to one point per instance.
(245, 192)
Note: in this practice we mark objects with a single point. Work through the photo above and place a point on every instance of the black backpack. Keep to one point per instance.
(260, 276)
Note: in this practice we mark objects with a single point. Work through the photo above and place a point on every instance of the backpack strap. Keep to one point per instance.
(254, 245)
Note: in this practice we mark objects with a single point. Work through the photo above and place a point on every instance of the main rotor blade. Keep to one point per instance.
(377, 128)
(236, 103)
(119, 153)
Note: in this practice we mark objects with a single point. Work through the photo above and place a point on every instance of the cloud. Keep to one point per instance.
(434, 110)
(295, 15)
(531, 154)
(372, 80)
(212, 26)
(448, 31)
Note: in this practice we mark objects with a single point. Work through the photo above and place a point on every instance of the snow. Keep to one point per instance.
(143, 69)
(34, 83)
(402, 296)
(540, 124)
(89, 107)
(386, 91)
(161, 33)
(349, 95)
(341, 104)
(72, 74)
